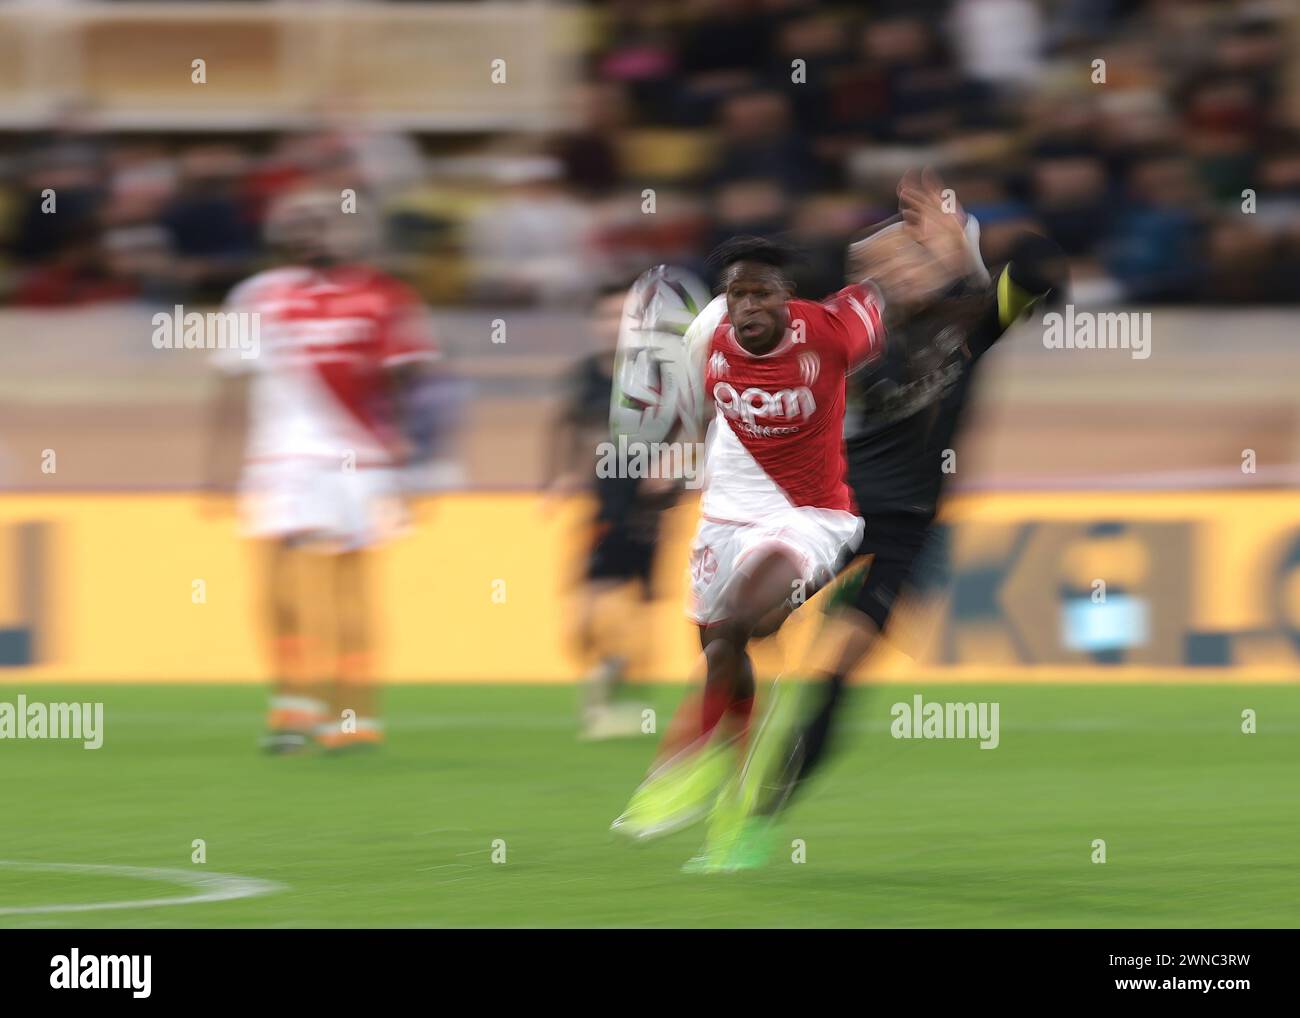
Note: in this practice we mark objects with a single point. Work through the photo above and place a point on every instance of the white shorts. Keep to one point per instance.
(316, 499)
(818, 541)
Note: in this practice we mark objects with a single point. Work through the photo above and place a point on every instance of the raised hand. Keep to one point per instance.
(936, 221)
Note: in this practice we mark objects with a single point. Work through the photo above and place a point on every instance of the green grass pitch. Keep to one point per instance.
(1200, 821)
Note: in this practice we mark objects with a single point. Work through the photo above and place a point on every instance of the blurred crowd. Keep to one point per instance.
(1158, 142)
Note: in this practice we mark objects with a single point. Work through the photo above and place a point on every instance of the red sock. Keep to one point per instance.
(739, 711)
(683, 729)
(694, 721)
(716, 703)
(697, 717)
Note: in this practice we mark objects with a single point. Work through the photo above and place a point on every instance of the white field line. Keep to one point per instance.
(208, 887)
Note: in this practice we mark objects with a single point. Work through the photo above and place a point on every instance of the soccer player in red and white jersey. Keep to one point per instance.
(766, 379)
(777, 517)
(322, 406)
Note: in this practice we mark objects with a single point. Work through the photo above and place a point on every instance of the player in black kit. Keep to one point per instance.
(624, 531)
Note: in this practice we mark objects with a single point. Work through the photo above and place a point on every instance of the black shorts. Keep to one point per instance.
(895, 542)
(619, 554)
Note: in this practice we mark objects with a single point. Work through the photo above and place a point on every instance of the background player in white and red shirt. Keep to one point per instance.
(321, 404)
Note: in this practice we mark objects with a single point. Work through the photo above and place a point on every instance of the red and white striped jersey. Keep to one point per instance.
(778, 434)
(320, 387)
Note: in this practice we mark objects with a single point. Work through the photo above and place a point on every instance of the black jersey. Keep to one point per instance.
(903, 414)
(622, 503)
(905, 411)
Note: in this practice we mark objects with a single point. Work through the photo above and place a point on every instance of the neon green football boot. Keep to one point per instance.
(725, 823)
(755, 844)
(735, 840)
(738, 836)
(678, 793)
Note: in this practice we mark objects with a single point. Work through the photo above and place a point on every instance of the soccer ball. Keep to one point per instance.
(650, 366)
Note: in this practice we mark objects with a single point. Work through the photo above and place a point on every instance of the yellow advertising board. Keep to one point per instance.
(1051, 587)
